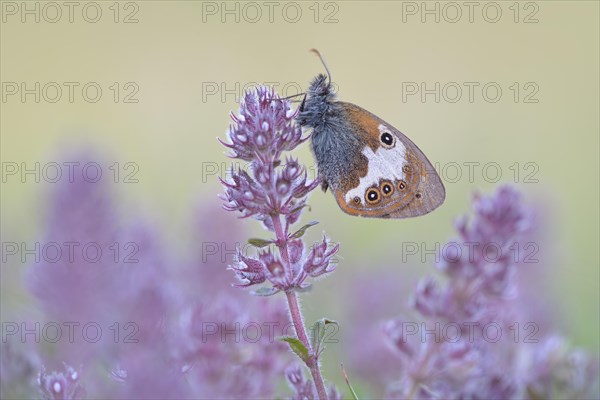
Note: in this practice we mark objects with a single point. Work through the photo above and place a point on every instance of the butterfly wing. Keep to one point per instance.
(397, 181)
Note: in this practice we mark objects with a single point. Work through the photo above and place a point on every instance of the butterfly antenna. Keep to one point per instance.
(324, 64)
(291, 97)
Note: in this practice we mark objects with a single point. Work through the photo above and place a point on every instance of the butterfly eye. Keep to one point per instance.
(387, 139)
(373, 196)
(356, 200)
(418, 195)
(406, 169)
(401, 185)
(387, 188)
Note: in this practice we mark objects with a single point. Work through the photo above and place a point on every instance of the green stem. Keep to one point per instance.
(313, 365)
(292, 299)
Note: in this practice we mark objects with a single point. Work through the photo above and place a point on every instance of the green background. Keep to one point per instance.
(176, 52)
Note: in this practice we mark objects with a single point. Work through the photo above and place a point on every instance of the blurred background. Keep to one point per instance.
(503, 92)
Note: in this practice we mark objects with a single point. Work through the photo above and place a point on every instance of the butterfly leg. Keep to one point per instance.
(302, 104)
(324, 185)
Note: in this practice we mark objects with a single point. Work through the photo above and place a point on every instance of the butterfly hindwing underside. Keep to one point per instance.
(392, 178)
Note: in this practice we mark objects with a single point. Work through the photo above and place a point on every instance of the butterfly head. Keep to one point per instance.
(318, 103)
(320, 87)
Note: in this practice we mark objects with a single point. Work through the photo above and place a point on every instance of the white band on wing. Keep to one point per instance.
(385, 163)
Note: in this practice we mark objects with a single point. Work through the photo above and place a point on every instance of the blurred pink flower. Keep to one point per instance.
(150, 311)
(446, 349)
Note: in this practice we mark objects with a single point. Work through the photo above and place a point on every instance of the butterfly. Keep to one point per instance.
(372, 168)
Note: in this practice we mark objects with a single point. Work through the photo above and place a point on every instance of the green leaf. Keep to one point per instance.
(317, 333)
(265, 291)
(354, 396)
(300, 208)
(297, 347)
(259, 242)
(300, 232)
